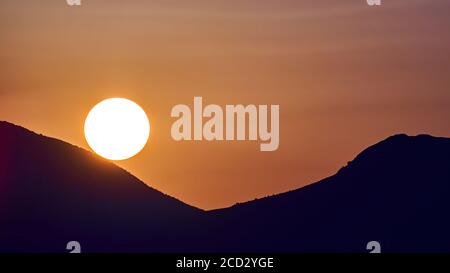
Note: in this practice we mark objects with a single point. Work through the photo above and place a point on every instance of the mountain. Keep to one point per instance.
(395, 192)
(52, 192)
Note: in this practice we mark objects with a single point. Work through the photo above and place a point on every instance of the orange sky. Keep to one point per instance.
(345, 75)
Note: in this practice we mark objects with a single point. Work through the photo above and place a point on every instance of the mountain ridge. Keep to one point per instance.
(12, 126)
(367, 152)
(395, 191)
(52, 192)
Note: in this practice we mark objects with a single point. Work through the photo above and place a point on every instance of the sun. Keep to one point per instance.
(117, 129)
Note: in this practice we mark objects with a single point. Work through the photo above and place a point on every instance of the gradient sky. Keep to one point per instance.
(345, 75)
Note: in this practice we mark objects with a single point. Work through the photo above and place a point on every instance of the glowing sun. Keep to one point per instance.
(117, 129)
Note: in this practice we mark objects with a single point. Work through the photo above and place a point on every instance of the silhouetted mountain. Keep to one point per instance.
(52, 192)
(395, 192)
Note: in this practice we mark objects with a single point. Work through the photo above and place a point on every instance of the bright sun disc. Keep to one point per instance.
(117, 129)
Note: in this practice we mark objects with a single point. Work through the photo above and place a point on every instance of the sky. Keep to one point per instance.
(346, 75)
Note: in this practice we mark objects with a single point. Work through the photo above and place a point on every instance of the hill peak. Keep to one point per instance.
(396, 147)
